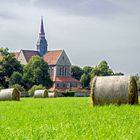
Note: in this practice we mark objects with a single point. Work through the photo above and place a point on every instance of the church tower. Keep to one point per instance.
(42, 44)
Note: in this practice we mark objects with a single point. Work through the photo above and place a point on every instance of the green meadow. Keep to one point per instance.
(67, 119)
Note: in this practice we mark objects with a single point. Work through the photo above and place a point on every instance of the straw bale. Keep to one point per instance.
(9, 94)
(41, 94)
(52, 94)
(114, 90)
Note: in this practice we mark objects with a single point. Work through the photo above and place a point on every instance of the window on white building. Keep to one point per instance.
(64, 85)
(60, 71)
(57, 85)
(65, 71)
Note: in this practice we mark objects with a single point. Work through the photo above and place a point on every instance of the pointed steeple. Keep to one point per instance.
(42, 45)
(42, 27)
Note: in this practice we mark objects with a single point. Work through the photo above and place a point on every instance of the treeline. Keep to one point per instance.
(35, 74)
(86, 73)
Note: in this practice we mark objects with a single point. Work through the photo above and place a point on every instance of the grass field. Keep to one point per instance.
(67, 118)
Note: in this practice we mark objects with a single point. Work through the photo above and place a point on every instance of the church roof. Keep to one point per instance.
(51, 57)
(29, 53)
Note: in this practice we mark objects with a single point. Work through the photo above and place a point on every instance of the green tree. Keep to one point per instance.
(102, 70)
(8, 65)
(85, 80)
(16, 78)
(87, 69)
(76, 72)
(36, 73)
(86, 76)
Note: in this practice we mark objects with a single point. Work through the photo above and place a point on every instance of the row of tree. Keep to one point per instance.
(86, 73)
(12, 72)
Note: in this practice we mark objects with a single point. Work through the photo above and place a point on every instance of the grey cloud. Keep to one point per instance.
(98, 8)
(8, 15)
(15, 1)
(89, 30)
(82, 7)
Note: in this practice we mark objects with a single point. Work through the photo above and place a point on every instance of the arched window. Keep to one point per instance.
(57, 85)
(52, 71)
(64, 85)
(60, 71)
(65, 71)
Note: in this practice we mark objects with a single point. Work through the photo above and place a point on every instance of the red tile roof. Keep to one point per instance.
(65, 79)
(29, 53)
(51, 57)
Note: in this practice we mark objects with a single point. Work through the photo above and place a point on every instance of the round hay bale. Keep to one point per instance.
(52, 94)
(114, 90)
(9, 94)
(41, 94)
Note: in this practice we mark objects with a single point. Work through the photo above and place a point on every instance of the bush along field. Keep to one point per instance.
(67, 118)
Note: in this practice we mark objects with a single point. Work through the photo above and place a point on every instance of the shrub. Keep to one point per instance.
(35, 87)
(68, 94)
(18, 87)
(21, 89)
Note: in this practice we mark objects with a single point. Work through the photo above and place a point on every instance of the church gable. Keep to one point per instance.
(51, 57)
(63, 60)
(25, 56)
(21, 58)
(29, 53)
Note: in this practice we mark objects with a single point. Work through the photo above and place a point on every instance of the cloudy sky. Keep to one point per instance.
(88, 30)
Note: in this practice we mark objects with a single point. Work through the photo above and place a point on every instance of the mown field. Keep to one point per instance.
(67, 118)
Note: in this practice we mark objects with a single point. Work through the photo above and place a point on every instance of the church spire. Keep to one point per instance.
(42, 45)
(42, 27)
